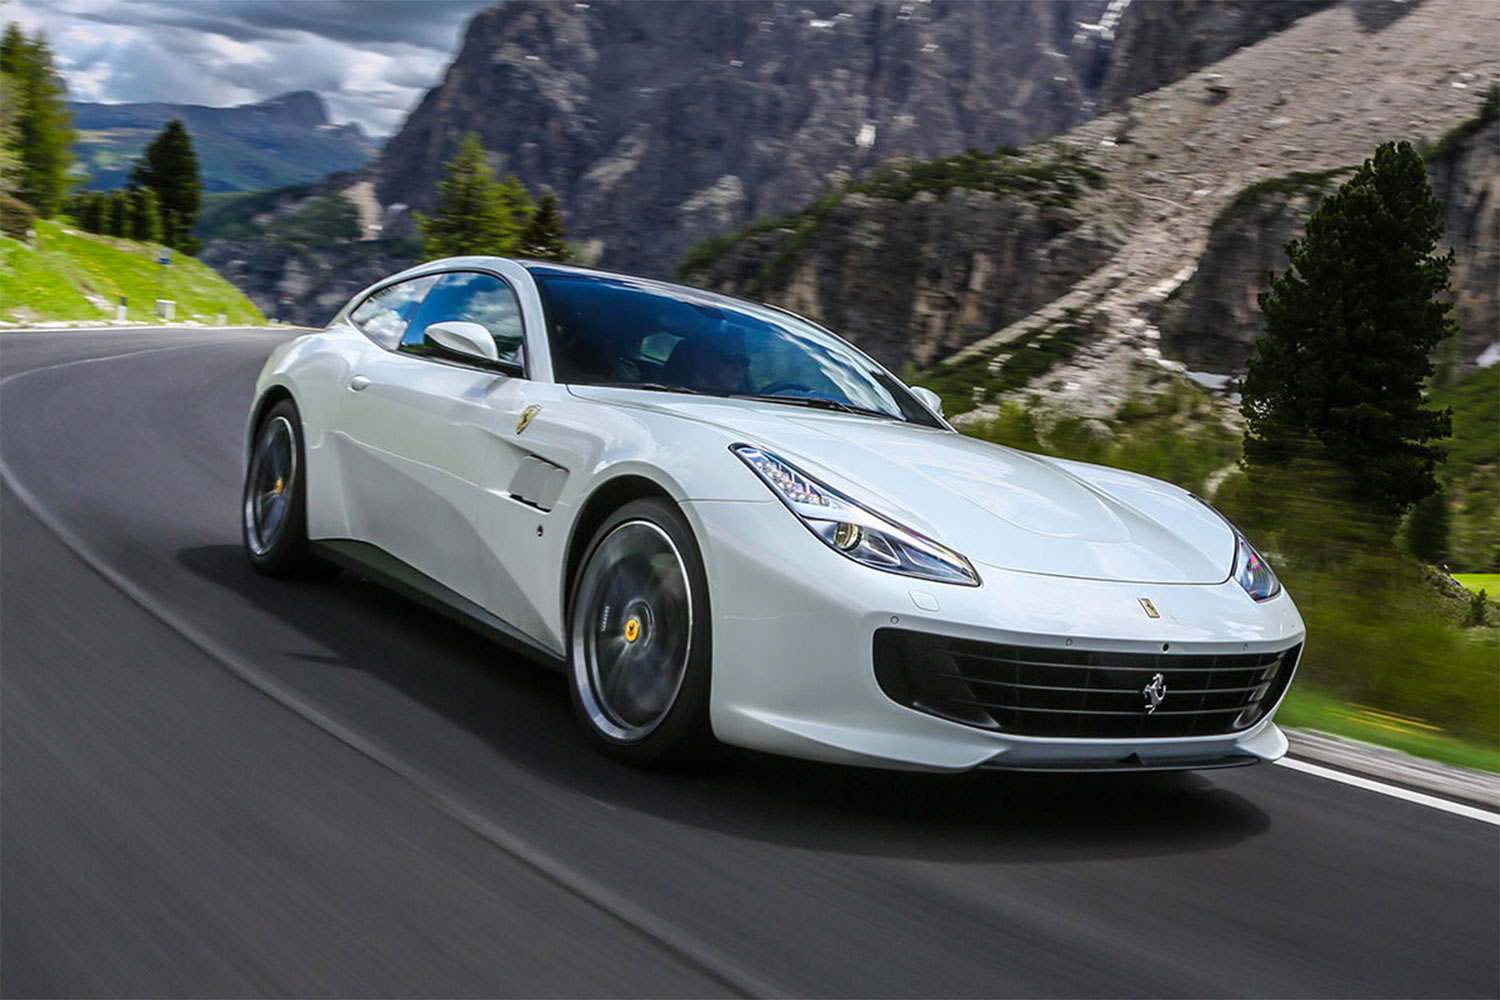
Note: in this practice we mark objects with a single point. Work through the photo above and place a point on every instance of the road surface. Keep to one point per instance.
(217, 784)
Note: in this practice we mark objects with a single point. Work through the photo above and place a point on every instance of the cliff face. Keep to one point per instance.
(1161, 41)
(1212, 322)
(914, 280)
(1466, 179)
(662, 123)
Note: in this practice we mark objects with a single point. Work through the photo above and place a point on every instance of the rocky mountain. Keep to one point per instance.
(250, 147)
(1160, 42)
(662, 123)
(1207, 176)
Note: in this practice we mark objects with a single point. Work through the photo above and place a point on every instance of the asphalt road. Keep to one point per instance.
(216, 784)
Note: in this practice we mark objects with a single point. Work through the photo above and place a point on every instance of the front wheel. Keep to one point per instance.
(273, 506)
(639, 638)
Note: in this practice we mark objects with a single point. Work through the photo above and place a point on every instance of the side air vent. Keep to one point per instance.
(538, 483)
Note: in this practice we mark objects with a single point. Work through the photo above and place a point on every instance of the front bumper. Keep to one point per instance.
(794, 623)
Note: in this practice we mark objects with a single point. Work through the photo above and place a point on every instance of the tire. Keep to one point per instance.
(273, 504)
(640, 649)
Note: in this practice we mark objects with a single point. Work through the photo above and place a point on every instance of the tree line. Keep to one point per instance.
(161, 202)
(159, 205)
(36, 132)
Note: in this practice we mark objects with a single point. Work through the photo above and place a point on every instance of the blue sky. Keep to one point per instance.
(371, 60)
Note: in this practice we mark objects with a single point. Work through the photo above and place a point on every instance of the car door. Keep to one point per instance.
(419, 426)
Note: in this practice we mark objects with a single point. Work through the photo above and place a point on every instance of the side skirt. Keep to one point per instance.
(378, 565)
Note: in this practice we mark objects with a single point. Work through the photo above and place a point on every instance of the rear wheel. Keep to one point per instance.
(639, 638)
(274, 504)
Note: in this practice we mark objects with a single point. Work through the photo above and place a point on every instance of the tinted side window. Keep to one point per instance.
(471, 298)
(384, 316)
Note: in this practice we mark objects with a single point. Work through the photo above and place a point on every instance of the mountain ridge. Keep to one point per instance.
(281, 141)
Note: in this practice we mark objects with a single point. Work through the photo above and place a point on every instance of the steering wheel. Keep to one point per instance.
(783, 385)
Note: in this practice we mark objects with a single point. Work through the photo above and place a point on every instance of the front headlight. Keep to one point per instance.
(853, 530)
(1253, 572)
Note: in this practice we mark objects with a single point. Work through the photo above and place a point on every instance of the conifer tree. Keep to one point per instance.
(169, 166)
(37, 115)
(119, 214)
(146, 223)
(95, 212)
(1349, 328)
(519, 208)
(544, 238)
(1427, 528)
(11, 163)
(473, 214)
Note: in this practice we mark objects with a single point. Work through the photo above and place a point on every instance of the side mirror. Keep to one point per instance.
(929, 399)
(468, 339)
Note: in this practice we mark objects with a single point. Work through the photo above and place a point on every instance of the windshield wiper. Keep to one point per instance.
(816, 403)
(658, 386)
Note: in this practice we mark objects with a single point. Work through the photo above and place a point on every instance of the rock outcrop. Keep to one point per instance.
(1158, 42)
(659, 124)
(911, 280)
(301, 285)
(1212, 321)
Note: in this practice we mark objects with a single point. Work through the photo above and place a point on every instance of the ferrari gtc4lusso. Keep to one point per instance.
(723, 522)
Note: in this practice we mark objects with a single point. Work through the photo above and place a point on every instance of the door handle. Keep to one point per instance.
(359, 382)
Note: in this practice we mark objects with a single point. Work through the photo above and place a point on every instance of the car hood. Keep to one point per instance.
(996, 505)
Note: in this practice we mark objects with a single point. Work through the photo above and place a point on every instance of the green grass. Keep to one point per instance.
(79, 276)
(1471, 472)
(1306, 708)
(1476, 582)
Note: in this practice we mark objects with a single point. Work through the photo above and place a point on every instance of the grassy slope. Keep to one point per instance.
(79, 276)
(1471, 474)
(1308, 709)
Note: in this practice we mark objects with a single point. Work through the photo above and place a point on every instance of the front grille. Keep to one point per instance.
(1033, 691)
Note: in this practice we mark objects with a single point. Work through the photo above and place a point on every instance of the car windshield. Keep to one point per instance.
(618, 331)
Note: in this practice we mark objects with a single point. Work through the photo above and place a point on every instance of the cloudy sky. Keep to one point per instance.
(371, 60)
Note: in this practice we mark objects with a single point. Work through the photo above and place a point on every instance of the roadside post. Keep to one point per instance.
(121, 309)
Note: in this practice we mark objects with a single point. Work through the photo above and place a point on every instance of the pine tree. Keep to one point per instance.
(11, 163)
(1427, 528)
(519, 208)
(169, 166)
(95, 212)
(543, 238)
(146, 224)
(1349, 328)
(119, 214)
(37, 114)
(473, 213)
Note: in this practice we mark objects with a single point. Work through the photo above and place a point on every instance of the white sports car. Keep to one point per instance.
(725, 523)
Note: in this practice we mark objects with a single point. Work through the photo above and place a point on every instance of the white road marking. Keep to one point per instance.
(1394, 791)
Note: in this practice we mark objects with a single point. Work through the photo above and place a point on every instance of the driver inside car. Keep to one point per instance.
(712, 362)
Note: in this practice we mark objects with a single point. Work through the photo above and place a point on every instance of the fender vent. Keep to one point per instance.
(538, 483)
